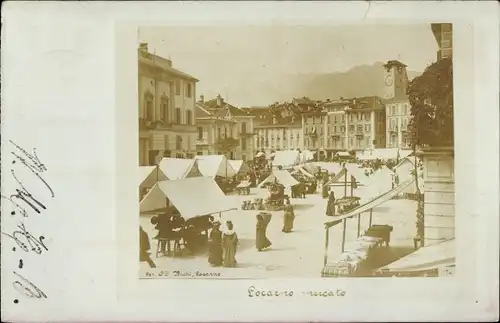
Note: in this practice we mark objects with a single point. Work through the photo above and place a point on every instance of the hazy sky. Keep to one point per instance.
(232, 60)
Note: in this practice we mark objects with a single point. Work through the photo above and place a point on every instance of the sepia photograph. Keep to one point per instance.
(288, 151)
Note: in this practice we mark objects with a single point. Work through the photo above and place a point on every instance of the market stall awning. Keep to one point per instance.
(149, 175)
(358, 173)
(283, 177)
(179, 168)
(371, 204)
(239, 166)
(426, 258)
(343, 154)
(330, 167)
(215, 165)
(192, 197)
(287, 158)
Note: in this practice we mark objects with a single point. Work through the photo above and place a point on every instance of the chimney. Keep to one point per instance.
(202, 98)
(143, 47)
(220, 101)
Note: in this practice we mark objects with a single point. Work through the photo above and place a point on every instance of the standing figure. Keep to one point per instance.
(324, 191)
(229, 243)
(330, 206)
(261, 240)
(215, 246)
(289, 217)
(302, 190)
(144, 247)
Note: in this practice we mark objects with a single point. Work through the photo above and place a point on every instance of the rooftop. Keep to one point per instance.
(164, 64)
(394, 63)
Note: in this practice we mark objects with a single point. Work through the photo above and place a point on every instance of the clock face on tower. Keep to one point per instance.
(389, 80)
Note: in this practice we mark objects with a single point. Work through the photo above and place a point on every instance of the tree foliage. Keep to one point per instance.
(431, 99)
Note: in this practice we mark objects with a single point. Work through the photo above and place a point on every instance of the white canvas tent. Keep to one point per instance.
(192, 197)
(286, 159)
(149, 175)
(239, 166)
(154, 200)
(306, 156)
(282, 177)
(427, 258)
(358, 173)
(179, 168)
(385, 154)
(334, 168)
(215, 165)
(301, 170)
(311, 168)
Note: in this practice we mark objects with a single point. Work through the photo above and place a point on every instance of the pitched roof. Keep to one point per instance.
(201, 111)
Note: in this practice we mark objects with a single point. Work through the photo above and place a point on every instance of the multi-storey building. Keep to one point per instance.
(345, 124)
(166, 109)
(223, 129)
(397, 105)
(279, 129)
(444, 37)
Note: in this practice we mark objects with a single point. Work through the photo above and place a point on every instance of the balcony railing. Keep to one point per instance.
(246, 134)
(145, 124)
(393, 129)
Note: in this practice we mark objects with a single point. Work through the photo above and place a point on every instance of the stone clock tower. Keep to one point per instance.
(395, 80)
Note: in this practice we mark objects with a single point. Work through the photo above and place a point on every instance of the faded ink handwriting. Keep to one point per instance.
(22, 198)
(27, 241)
(24, 202)
(24, 286)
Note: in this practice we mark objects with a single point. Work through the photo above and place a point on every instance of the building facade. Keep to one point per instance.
(223, 129)
(280, 128)
(345, 124)
(397, 105)
(443, 33)
(166, 109)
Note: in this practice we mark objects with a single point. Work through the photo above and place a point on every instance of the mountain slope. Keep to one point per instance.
(365, 80)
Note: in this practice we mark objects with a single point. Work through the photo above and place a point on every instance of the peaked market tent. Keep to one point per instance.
(192, 197)
(149, 175)
(239, 166)
(286, 158)
(282, 177)
(215, 165)
(179, 168)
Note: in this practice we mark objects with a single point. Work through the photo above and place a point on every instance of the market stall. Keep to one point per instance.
(148, 177)
(179, 168)
(194, 199)
(356, 257)
(243, 188)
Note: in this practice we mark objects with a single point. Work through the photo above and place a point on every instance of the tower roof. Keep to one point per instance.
(390, 64)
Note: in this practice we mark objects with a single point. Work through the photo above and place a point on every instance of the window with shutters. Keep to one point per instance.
(178, 142)
(165, 142)
(178, 115)
(177, 87)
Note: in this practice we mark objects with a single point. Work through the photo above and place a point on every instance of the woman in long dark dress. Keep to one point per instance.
(229, 243)
(330, 206)
(144, 247)
(261, 240)
(288, 218)
(215, 249)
